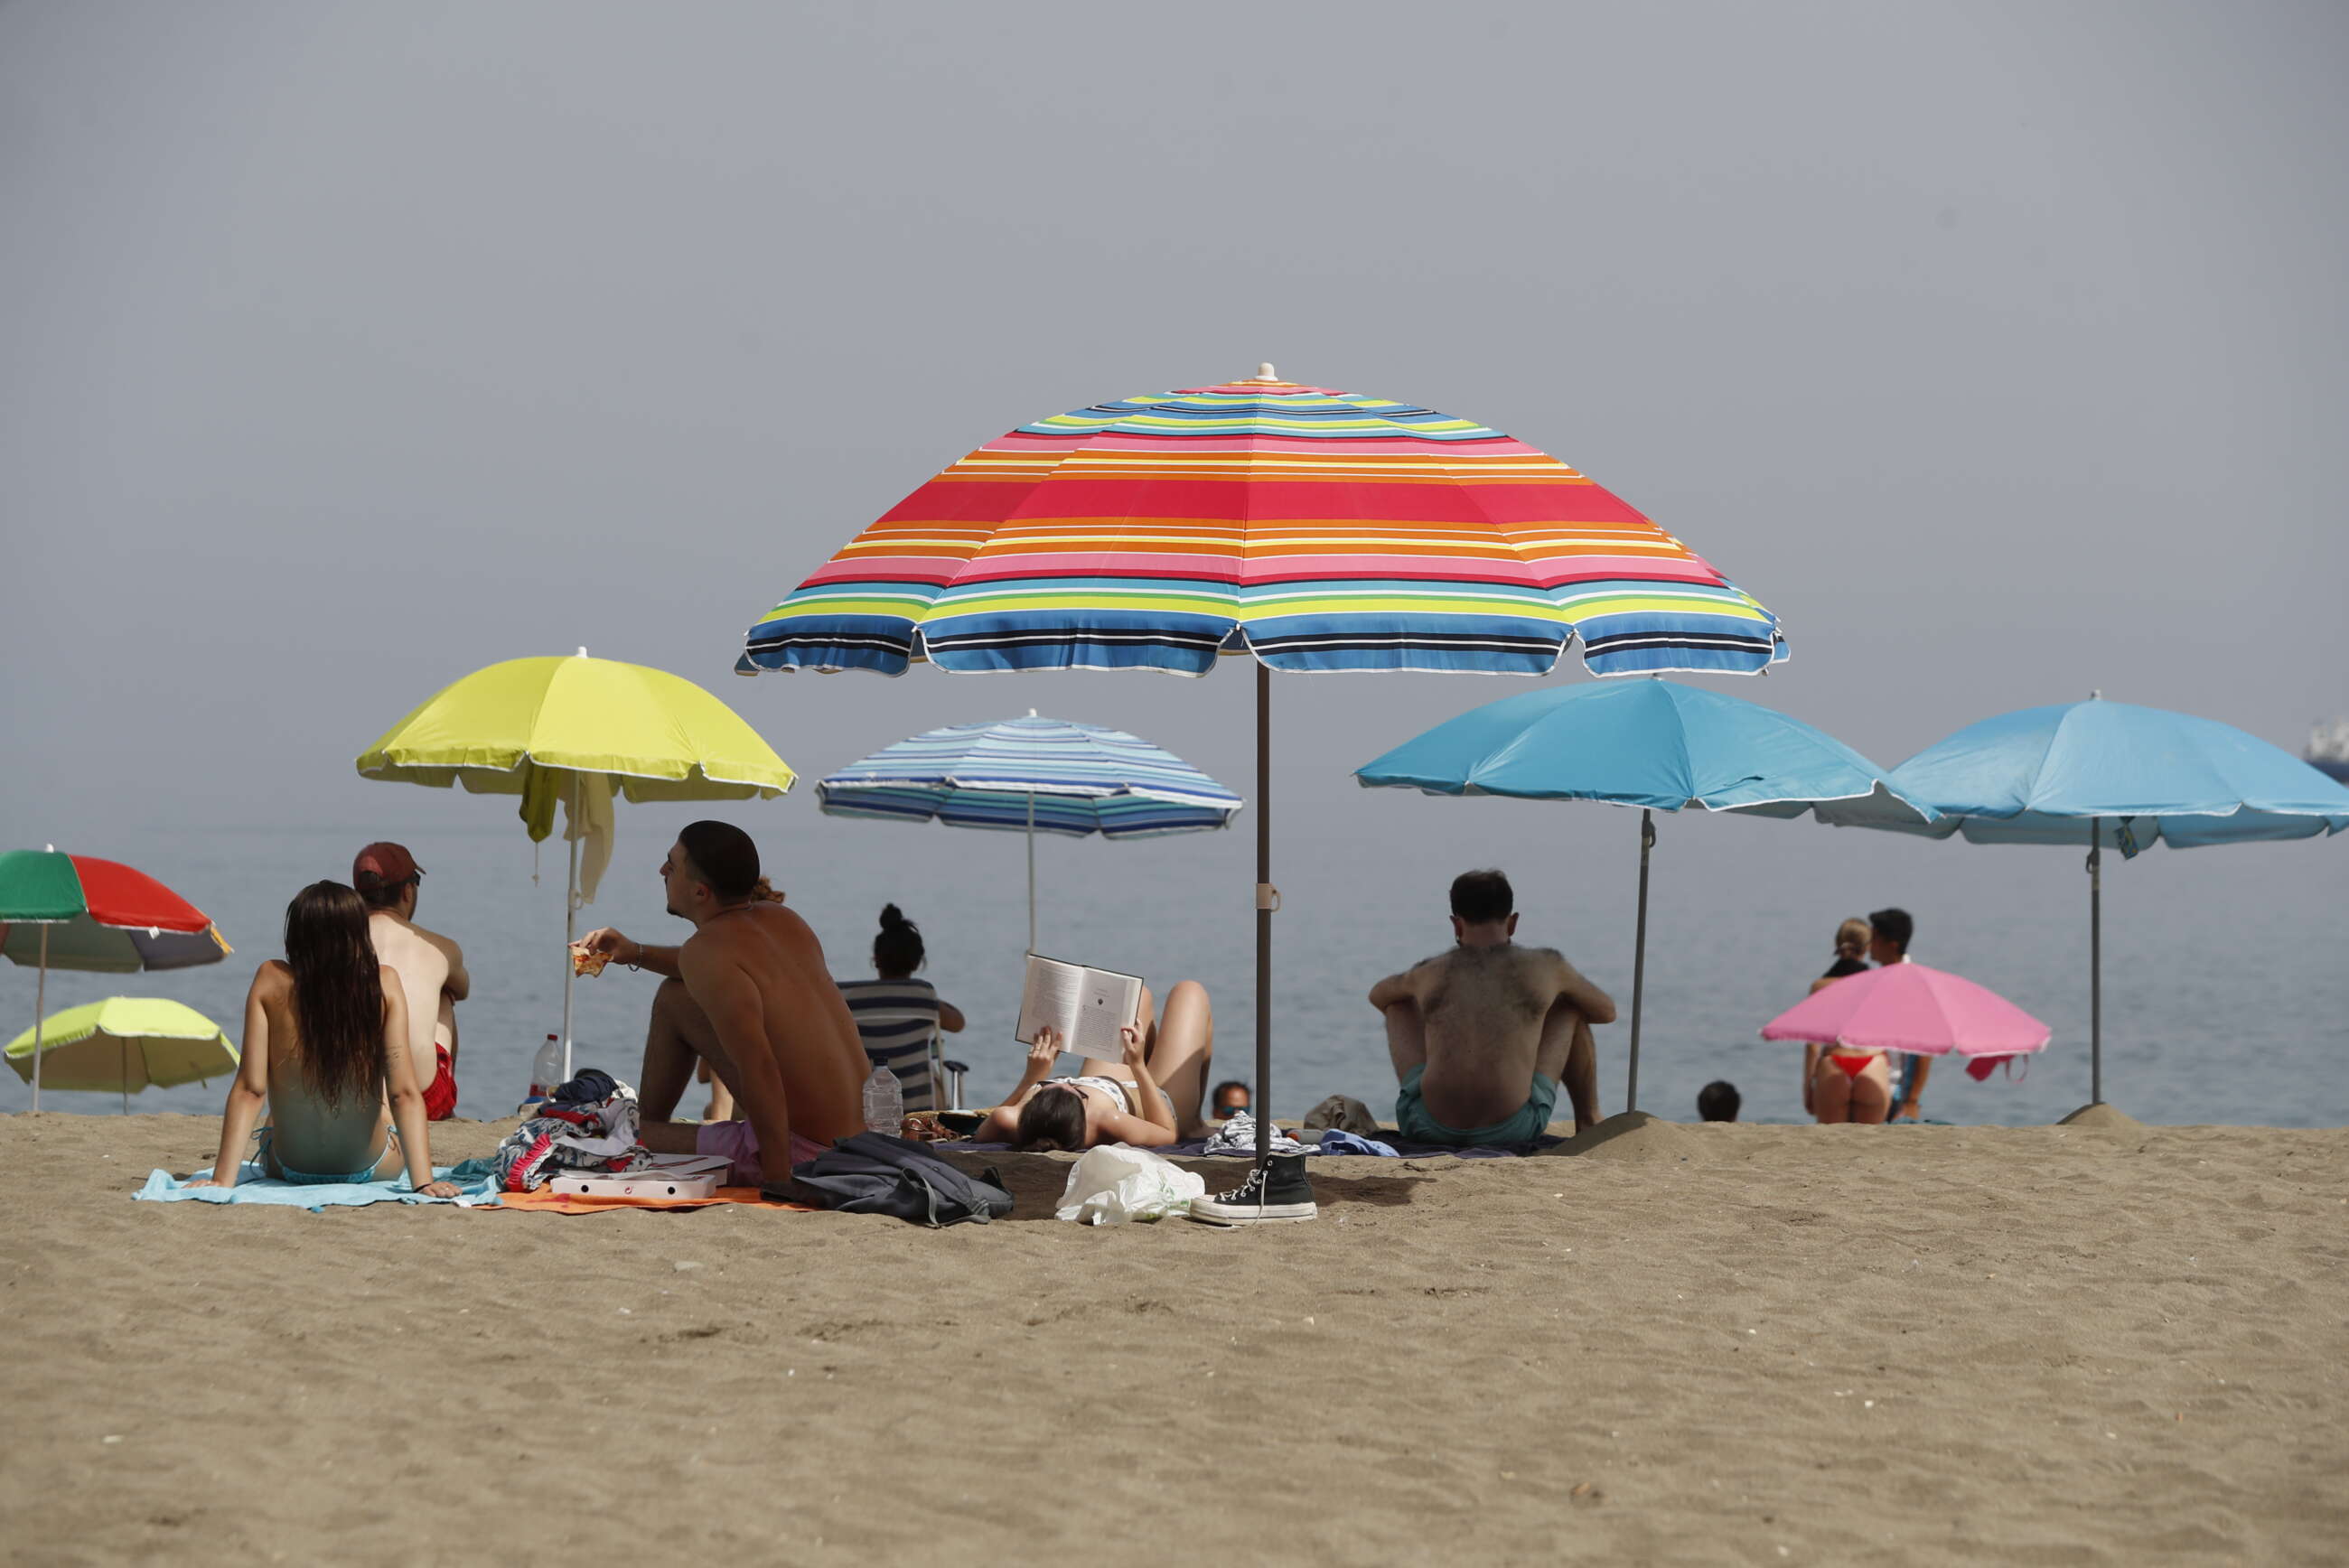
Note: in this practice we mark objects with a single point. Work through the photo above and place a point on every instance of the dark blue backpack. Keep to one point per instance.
(874, 1174)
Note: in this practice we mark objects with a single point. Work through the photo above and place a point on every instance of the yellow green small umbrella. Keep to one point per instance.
(579, 731)
(124, 1043)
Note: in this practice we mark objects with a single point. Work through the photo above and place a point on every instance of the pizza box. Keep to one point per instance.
(668, 1176)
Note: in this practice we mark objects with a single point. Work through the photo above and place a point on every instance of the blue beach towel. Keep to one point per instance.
(253, 1187)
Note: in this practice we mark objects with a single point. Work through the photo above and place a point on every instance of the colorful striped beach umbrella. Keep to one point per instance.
(77, 912)
(1318, 529)
(1033, 775)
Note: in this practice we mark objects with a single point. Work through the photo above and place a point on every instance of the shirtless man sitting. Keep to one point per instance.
(1483, 1035)
(432, 969)
(748, 994)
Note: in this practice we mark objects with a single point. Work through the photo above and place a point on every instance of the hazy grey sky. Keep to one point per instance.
(344, 349)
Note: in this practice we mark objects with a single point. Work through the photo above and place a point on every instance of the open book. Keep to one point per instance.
(1088, 1006)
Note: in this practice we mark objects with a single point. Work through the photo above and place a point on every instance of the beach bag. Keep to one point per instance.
(874, 1174)
(1114, 1184)
(1345, 1113)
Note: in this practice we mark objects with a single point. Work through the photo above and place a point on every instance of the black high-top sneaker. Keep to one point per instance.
(1277, 1191)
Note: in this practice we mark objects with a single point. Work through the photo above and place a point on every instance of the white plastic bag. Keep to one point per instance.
(1116, 1184)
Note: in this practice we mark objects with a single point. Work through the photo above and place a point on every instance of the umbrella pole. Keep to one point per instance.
(40, 1009)
(1032, 870)
(126, 1076)
(570, 927)
(1268, 900)
(2096, 961)
(1640, 957)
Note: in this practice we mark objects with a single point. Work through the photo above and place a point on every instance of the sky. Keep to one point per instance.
(347, 347)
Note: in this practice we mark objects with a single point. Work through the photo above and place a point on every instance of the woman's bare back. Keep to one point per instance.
(306, 1133)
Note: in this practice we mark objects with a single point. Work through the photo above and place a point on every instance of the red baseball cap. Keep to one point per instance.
(383, 866)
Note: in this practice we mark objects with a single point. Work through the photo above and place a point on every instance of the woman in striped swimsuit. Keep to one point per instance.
(896, 1014)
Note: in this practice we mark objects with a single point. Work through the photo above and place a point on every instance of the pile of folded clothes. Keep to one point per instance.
(588, 1123)
(1237, 1136)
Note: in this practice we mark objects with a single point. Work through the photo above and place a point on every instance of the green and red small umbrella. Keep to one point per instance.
(77, 912)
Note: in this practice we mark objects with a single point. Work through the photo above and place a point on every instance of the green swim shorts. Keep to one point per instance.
(1530, 1121)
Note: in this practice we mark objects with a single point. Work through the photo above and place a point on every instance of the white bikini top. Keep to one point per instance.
(1117, 1088)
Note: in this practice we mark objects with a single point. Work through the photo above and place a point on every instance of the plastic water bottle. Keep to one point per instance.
(885, 1103)
(545, 1075)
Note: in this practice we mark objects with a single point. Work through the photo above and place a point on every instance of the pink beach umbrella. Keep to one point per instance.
(1909, 1007)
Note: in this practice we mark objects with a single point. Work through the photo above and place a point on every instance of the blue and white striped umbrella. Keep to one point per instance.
(1034, 776)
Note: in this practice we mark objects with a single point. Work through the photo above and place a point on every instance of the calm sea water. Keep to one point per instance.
(2225, 997)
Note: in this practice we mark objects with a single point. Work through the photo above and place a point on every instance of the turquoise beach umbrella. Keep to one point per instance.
(1654, 744)
(2110, 773)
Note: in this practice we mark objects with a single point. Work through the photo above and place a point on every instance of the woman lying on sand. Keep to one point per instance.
(1116, 1102)
(325, 1043)
(1843, 1083)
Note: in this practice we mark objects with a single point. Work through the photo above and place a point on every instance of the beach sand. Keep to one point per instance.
(2101, 1343)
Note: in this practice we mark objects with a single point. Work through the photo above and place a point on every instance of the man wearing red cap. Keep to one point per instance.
(432, 969)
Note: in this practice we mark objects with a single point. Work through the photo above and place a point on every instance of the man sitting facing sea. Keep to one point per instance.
(432, 969)
(748, 994)
(1481, 1035)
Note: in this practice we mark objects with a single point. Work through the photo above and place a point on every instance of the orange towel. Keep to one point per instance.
(551, 1202)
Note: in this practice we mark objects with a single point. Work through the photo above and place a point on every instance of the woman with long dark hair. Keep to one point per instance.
(326, 1051)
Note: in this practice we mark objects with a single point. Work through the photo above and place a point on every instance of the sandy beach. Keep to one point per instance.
(2071, 1345)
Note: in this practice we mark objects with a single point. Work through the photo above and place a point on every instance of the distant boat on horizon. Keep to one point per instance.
(2328, 748)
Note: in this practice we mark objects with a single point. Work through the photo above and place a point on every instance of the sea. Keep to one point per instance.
(2226, 995)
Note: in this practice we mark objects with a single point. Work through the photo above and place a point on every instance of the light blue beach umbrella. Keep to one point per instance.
(2110, 773)
(1035, 776)
(1654, 744)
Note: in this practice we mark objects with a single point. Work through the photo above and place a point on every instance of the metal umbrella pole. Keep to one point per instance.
(40, 1013)
(569, 923)
(2096, 961)
(1267, 901)
(1640, 957)
(1032, 862)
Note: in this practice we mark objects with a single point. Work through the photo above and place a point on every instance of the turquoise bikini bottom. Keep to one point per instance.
(286, 1173)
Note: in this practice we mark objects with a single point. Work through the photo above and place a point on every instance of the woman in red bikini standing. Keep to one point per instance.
(1841, 1083)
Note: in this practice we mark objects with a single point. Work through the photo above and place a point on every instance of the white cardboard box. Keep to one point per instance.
(668, 1176)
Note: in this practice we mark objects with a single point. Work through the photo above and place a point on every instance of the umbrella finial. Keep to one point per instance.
(1264, 372)
(582, 651)
(2095, 693)
(1031, 713)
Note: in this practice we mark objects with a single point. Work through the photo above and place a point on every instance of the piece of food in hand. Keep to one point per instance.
(586, 960)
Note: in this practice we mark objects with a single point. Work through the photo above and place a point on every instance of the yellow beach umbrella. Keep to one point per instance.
(578, 731)
(126, 1043)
